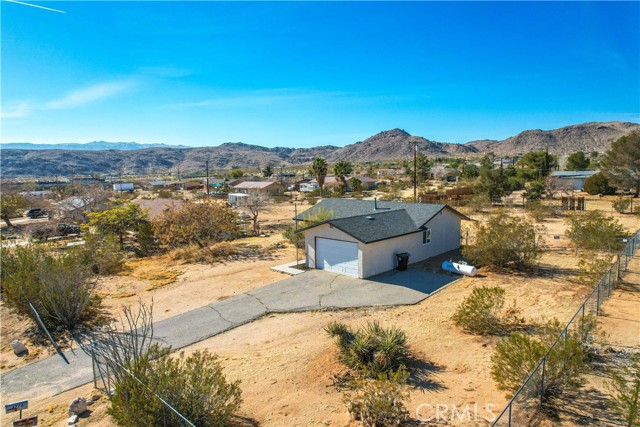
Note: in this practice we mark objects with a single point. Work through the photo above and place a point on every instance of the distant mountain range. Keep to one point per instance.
(394, 144)
(92, 146)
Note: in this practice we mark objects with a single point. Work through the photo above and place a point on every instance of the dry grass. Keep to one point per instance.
(156, 273)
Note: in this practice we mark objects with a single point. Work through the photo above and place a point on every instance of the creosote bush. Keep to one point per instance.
(595, 231)
(592, 266)
(516, 356)
(505, 242)
(482, 312)
(59, 286)
(379, 402)
(195, 386)
(624, 389)
(370, 350)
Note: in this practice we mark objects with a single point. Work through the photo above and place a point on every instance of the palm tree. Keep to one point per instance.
(319, 171)
(341, 170)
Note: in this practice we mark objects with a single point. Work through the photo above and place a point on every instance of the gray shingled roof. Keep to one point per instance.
(390, 219)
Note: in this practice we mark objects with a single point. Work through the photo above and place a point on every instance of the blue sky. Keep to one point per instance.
(313, 73)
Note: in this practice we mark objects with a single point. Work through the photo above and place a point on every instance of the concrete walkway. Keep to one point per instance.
(313, 290)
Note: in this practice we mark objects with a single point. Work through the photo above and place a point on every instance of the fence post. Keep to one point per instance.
(93, 367)
(510, 406)
(544, 363)
(598, 300)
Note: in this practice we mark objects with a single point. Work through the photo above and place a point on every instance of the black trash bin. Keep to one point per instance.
(403, 261)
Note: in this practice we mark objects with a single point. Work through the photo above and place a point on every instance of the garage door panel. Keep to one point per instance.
(337, 256)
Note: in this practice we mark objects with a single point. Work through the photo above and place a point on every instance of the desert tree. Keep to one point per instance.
(536, 165)
(267, 171)
(341, 170)
(553, 186)
(10, 205)
(356, 185)
(577, 161)
(202, 223)
(118, 220)
(257, 202)
(318, 170)
(492, 182)
(621, 162)
(598, 184)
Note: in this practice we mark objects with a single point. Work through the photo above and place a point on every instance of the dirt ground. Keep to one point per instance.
(286, 362)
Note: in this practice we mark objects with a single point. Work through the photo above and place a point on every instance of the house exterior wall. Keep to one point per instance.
(325, 231)
(378, 257)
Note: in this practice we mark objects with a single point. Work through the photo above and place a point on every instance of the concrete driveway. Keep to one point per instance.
(310, 291)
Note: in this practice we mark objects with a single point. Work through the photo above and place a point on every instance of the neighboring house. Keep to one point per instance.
(573, 179)
(237, 199)
(123, 186)
(308, 187)
(364, 236)
(444, 173)
(267, 187)
(75, 209)
(331, 182)
(156, 207)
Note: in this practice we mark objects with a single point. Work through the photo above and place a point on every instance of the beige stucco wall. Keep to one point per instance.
(378, 257)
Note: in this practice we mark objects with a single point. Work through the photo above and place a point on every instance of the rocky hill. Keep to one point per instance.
(596, 136)
(388, 145)
(94, 145)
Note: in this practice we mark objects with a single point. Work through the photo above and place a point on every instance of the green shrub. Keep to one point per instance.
(379, 402)
(102, 254)
(292, 237)
(592, 267)
(595, 231)
(505, 242)
(195, 386)
(58, 286)
(482, 312)
(621, 204)
(370, 350)
(516, 356)
(624, 392)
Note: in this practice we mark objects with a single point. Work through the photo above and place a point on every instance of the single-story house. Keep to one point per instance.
(268, 187)
(156, 207)
(331, 181)
(573, 179)
(363, 237)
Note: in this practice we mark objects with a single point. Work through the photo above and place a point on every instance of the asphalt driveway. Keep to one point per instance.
(310, 291)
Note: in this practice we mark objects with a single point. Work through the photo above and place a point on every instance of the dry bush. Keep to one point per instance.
(379, 402)
(592, 266)
(624, 392)
(482, 312)
(193, 254)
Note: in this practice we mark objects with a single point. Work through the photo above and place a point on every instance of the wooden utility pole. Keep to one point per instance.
(207, 189)
(415, 174)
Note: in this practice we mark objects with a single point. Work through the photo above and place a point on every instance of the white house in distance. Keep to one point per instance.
(364, 236)
(267, 187)
(573, 179)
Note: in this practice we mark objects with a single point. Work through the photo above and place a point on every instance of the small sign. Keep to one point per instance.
(556, 237)
(624, 240)
(16, 406)
(26, 422)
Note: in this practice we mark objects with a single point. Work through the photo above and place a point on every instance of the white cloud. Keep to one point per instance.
(16, 110)
(89, 94)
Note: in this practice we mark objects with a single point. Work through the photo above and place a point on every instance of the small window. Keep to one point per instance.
(426, 236)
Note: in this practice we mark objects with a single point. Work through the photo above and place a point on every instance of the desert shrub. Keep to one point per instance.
(102, 254)
(595, 231)
(535, 190)
(592, 267)
(505, 242)
(379, 402)
(516, 356)
(624, 392)
(370, 350)
(482, 312)
(538, 211)
(292, 237)
(59, 286)
(209, 254)
(621, 204)
(195, 386)
(479, 202)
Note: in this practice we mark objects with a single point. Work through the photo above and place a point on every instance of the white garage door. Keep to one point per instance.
(338, 256)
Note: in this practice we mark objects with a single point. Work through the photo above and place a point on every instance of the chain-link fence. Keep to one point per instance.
(523, 405)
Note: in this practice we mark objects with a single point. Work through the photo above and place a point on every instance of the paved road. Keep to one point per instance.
(312, 290)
